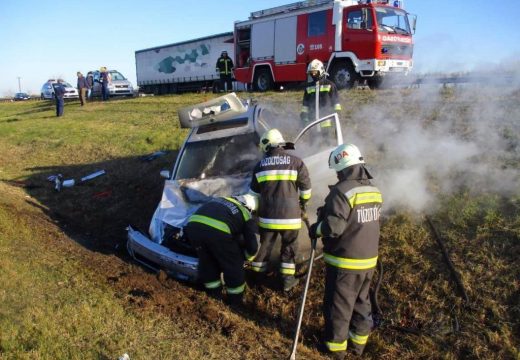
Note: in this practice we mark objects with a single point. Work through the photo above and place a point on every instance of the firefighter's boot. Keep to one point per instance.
(254, 279)
(289, 282)
(235, 300)
(215, 293)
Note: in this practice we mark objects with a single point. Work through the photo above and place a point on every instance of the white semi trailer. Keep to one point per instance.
(183, 66)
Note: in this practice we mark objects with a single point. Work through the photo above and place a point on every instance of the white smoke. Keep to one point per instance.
(424, 142)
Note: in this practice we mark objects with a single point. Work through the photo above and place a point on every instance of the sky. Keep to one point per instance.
(42, 40)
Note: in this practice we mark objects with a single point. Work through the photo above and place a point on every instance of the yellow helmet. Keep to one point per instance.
(271, 138)
(344, 156)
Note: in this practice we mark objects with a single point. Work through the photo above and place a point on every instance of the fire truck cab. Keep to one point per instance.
(356, 40)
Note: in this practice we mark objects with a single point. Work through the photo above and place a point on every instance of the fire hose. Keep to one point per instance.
(455, 275)
(307, 281)
(376, 309)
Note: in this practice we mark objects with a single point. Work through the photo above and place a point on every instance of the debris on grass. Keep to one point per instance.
(93, 175)
(153, 155)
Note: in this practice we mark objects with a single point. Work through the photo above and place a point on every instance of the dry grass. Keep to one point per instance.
(70, 291)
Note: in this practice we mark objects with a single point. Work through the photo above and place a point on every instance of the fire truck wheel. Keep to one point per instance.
(375, 82)
(263, 80)
(344, 75)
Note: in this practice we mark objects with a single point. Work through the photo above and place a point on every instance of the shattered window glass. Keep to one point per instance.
(219, 157)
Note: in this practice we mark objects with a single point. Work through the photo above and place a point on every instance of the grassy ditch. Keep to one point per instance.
(70, 291)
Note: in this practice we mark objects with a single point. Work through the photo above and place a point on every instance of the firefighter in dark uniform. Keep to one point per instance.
(328, 100)
(224, 68)
(224, 235)
(282, 185)
(349, 225)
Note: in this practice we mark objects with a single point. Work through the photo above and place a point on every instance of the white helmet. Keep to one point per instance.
(271, 138)
(248, 200)
(344, 156)
(316, 66)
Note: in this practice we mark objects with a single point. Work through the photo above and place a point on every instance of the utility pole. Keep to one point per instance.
(19, 87)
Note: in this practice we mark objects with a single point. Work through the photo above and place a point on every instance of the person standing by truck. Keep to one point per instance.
(320, 97)
(225, 69)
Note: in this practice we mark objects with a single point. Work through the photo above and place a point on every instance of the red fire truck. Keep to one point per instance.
(357, 40)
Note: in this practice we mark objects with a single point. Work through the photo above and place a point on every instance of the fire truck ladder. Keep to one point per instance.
(288, 8)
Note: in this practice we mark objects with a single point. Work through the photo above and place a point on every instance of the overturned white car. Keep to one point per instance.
(217, 159)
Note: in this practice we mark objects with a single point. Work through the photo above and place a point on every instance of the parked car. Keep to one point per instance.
(47, 91)
(21, 97)
(217, 159)
(120, 85)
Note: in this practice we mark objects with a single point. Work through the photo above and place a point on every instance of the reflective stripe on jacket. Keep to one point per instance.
(231, 217)
(349, 222)
(279, 181)
(328, 100)
(224, 66)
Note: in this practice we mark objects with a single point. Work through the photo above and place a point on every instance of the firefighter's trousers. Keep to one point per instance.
(347, 309)
(287, 252)
(218, 253)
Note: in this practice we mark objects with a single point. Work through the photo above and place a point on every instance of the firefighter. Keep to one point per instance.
(224, 68)
(328, 102)
(349, 225)
(224, 235)
(282, 185)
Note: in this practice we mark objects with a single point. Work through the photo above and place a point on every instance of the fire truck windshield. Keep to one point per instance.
(392, 20)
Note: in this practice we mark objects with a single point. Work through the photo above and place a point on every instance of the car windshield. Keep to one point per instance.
(116, 75)
(392, 20)
(219, 157)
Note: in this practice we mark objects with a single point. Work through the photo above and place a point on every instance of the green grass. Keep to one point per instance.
(69, 291)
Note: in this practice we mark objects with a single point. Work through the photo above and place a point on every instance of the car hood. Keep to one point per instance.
(180, 199)
(121, 82)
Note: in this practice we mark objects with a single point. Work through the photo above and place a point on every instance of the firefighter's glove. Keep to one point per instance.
(313, 231)
(303, 204)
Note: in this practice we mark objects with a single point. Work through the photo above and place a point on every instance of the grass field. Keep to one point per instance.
(69, 290)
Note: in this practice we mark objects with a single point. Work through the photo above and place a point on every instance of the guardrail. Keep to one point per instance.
(466, 79)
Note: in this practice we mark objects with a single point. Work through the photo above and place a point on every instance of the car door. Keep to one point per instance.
(313, 145)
